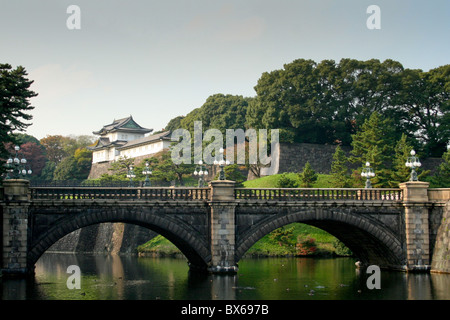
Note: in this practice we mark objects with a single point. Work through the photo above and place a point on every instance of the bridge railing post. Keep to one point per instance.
(415, 198)
(15, 227)
(222, 225)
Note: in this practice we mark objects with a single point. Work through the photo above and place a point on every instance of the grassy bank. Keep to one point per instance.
(323, 181)
(323, 244)
(319, 242)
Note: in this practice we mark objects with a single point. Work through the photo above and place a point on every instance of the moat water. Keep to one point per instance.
(107, 277)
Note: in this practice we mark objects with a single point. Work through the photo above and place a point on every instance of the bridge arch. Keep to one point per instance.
(190, 242)
(368, 239)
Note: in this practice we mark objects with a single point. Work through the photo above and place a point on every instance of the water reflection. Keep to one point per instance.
(112, 277)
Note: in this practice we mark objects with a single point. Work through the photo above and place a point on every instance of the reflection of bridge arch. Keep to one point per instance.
(180, 233)
(370, 240)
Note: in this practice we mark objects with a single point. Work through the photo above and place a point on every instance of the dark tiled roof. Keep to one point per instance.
(125, 124)
(156, 137)
(103, 143)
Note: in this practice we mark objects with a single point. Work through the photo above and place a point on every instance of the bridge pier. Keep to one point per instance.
(15, 227)
(415, 198)
(223, 227)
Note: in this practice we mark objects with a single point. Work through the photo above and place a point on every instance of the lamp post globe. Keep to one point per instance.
(147, 171)
(413, 162)
(368, 173)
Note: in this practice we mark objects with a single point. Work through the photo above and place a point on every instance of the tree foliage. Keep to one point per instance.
(218, 112)
(374, 144)
(400, 172)
(15, 95)
(307, 177)
(286, 182)
(441, 179)
(283, 236)
(328, 102)
(340, 170)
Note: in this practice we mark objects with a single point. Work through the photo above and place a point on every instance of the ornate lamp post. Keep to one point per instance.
(201, 171)
(147, 171)
(413, 162)
(222, 163)
(16, 166)
(368, 173)
(131, 175)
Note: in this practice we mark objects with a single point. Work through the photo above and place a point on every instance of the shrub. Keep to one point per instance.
(306, 247)
(286, 182)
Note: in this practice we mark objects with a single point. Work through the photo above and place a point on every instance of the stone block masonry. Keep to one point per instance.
(441, 253)
(292, 157)
(415, 198)
(223, 224)
(15, 226)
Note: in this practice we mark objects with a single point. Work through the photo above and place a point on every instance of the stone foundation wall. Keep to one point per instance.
(292, 157)
(441, 250)
(110, 238)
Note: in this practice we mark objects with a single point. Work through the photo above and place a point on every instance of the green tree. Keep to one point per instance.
(292, 100)
(441, 178)
(285, 181)
(307, 177)
(47, 173)
(54, 147)
(83, 157)
(283, 236)
(400, 172)
(166, 170)
(119, 169)
(74, 167)
(15, 95)
(174, 123)
(66, 170)
(324, 102)
(233, 173)
(341, 249)
(218, 112)
(374, 143)
(424, 103)
(340, 177)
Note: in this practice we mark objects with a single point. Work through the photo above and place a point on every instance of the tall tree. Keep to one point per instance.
(339, 169)
(15, 95)
(292, 100)
(166, 170)
(218, 112)
(307, 177)
(324, 102)
(400, 172)
(441, 179)
(55, 147)
(374, 143)
(424, 104)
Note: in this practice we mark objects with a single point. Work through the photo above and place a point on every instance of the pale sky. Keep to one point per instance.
(156, 60)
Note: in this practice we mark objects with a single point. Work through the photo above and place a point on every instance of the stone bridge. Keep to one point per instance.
(402, 229)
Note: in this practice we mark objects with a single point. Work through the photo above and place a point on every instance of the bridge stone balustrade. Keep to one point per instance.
(402, 228)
